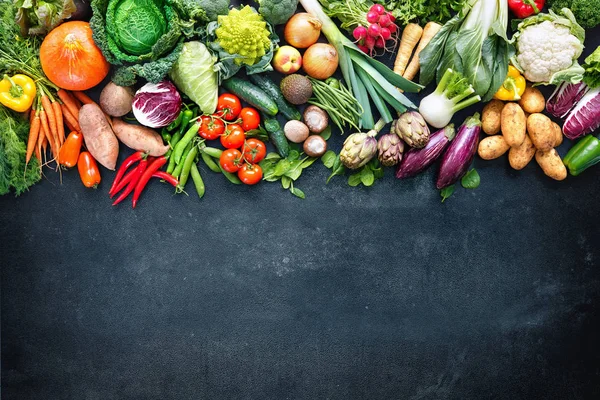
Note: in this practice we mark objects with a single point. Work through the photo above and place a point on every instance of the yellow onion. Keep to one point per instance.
(320, 61)
(302, 30)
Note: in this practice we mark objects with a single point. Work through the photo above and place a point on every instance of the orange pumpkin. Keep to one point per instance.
(71, 59)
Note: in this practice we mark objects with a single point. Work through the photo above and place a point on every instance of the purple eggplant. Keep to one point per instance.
(460, 153)
(585, 117)
(417, 160)
(564, 98)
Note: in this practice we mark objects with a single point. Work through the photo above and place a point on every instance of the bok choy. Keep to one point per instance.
(368, 79)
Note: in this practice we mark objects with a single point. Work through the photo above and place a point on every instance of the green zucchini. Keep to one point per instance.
(276, 136)
(251, 94)
(270, 88)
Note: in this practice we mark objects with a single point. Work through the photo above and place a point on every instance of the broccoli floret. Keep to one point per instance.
(214, 8)
(277, 12)
(585, 11)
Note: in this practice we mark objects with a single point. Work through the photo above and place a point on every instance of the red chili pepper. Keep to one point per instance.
(525, 8)
(139, 171)
(123, 182)
(167, 177)
(129, 161)
(141, 184)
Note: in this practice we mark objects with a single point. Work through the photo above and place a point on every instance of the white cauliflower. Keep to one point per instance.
(548, 46)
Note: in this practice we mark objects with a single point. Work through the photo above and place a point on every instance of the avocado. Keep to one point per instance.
(296, 89)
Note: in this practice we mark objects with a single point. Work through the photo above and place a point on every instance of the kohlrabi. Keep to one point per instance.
(452, 94)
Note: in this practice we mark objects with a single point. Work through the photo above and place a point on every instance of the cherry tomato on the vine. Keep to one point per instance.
(250, 174)
(231, 160)
(229, 106)
(250, 118)
(211, 127)
(254, 150)
(233, 137)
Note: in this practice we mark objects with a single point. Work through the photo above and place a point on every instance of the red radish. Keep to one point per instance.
(374, 30)
(384, 20)
(379, 42)
(372, 17)
(378, 8)
(392, 28)
(386, 34)
(370, 42)
(364, 48)
(392, 18)
(360, 32)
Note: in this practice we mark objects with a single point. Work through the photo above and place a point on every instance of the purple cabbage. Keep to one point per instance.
(417, 160)
(460, 153)
(564, 98)
(157, 104)
(585, 117)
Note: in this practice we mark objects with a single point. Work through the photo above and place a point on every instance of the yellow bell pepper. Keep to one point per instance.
(513, 86)
(17, 92)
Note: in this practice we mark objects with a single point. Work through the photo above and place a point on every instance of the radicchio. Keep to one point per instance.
(564, 98)
(156, 104)
(585, 117)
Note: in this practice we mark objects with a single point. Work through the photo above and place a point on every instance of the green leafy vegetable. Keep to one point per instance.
(591, 77)
(14, 174)
(447, 192)
(194, 75)
(471, 180)
(277, 12)
(39, 17)
(367, 174)
(288, 169)
(422, 11)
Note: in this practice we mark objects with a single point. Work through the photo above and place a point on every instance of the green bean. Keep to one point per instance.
(210, 163)
(187, 164)
(198, 182)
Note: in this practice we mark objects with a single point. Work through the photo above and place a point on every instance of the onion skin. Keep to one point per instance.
(302, 30)
(320, 61)
(416, 160)
(460, 153)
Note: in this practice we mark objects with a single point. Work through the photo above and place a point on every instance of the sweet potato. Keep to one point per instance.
(139, 137)
(541, 131)
(492, 147)
(99, 138)
(513, 124)
(532, 100)
(551, 164)
(116, 100)
(490, 117)
(520, 156)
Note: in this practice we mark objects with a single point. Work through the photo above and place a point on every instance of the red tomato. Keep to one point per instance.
(228, 106)
(88, 170)
(250, 174)
(211, 127)
(231, 160)
(254, 150)
(250, 118)
(234, 137)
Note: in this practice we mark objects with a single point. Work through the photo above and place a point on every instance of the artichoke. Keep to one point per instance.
(412, 128)
(389, 148)
(359, 148)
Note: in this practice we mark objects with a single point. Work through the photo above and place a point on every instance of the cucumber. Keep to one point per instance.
(276, 135)
(270, 88)
(251, 94)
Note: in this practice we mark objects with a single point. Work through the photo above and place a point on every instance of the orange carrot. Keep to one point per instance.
(84, 98)
(60, 124)
(72, 123)
(52, 123)
(47, 133)
(34, 131)
(69, 102)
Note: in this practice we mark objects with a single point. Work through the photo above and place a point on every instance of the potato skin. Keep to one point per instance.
(558, 134)
(490, 117)
(492, 147)
(140, 138)
(532, 100)
(541, 131)
(116, 100)
(520, 156)
(513, 124)
(99, 137)
(551, 164)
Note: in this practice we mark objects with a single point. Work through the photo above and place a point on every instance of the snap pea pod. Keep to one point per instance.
(198, 182)
(211, 151)
(187, 165)
(210, 163)
(231, 177)
(185, 140)
(177, 168)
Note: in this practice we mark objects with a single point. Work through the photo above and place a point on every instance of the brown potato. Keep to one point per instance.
(492, 147)
(139, 137)
(551, 164)
(116, 100)
(558, 135)
(520, 156)
(490, 117)
(99, 137)
(513, 124)
(532, 100)
(541, 131)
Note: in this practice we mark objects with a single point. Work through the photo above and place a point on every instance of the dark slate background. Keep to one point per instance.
(353, 293)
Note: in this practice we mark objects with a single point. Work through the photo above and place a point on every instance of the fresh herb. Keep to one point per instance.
(367, 174)
(287, 169)
(471, 180)
(447, 192)
(333, 162)
(422, 11)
